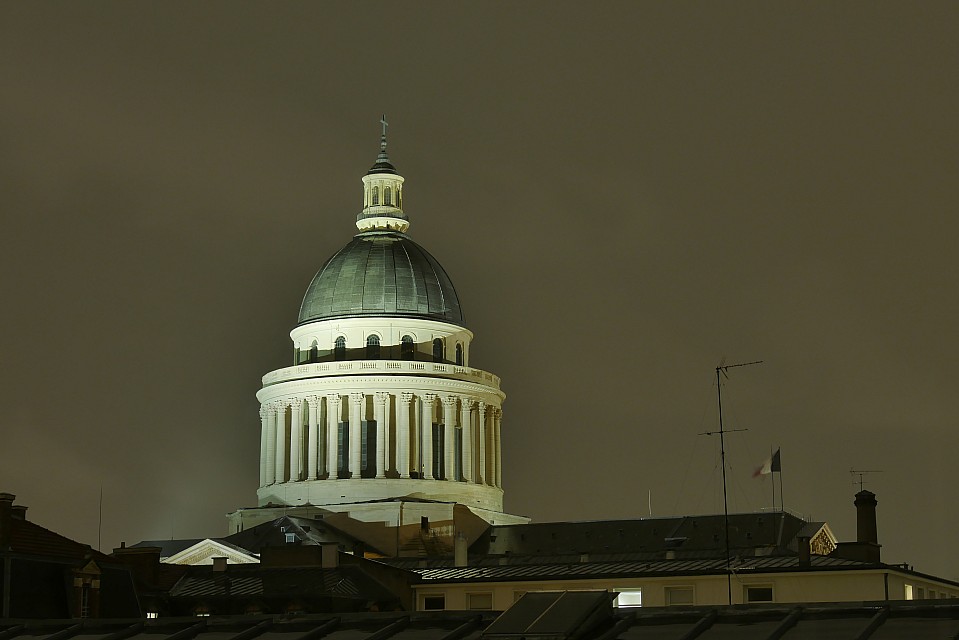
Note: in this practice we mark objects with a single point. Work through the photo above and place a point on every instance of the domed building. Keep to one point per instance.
(381, 414)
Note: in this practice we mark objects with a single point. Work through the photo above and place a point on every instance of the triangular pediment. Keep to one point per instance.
(204, 551)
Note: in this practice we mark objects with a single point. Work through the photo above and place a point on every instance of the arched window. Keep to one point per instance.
(339, 349)
(314, 352)
(407, 348)
(437, 350)
(376, 195)
(459, 354)
(373, 347)
(387, 197)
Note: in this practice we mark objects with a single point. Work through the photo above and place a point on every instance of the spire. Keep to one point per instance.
(382, 194)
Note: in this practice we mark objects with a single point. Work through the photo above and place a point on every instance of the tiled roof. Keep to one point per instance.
(524, 571)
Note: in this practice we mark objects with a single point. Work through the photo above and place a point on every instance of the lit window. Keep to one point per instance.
(290, 537)
(762, 593)
(376, 195)
(909, 595)
(679, 596)
(387, 197)
(407, 348)
(152, 614)
(479, 601)
(628, 598)
(437, 350)
(373, 347)
(339, 349)
(434, 602)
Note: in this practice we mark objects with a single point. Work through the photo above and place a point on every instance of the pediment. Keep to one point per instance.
(204, 551)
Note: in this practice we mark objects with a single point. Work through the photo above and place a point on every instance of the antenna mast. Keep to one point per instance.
(861, 472)
(721, 371)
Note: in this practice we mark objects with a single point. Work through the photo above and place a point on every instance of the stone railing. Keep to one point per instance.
(400, 367)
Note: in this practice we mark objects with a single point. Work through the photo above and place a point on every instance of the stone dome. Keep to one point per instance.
(381, 273)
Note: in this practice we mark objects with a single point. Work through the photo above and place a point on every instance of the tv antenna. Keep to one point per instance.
(861, 473)
(721, 370)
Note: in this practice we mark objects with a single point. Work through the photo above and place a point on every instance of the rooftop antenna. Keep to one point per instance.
(861, 473)
(383, 136)
(721, 370)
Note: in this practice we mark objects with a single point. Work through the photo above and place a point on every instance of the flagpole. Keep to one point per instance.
(782, 505)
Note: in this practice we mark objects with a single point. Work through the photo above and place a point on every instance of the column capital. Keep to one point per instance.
(482, 405)
(334, 397)
(497, 412)
(357, 398)
(406, 397)
(381, 397)
(450, 400)
(468, 403)
(313, 400)
(264, 410)
(429, 398)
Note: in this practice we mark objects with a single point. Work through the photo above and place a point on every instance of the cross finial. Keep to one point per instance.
(383, 136)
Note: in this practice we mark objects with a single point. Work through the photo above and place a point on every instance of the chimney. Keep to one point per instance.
(219, 564)
(460, 551)
(866, 517)
(6, 519)
(18, 512)
(330, 558)
(803, 551)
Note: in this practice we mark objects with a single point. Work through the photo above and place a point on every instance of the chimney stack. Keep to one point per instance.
(460, 550)
(19, 512)
(6, 519)
(866, 517)
(804, 551)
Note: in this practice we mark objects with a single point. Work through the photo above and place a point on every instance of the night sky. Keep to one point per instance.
(624, 194)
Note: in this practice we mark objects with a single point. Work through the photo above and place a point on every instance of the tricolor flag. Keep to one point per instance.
(771, 465)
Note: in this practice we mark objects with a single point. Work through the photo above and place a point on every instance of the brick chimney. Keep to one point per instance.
(6, 519)
(866, 517)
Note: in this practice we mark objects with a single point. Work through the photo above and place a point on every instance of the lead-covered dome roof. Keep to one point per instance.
(381, 273)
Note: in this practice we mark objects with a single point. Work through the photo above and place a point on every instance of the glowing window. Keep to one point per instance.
(407, 348)
(909, 595)
(339, 349)
(437, 350)
(373, 347)
(376, 195)
(152, 614)
(628, 598)
(387, 197)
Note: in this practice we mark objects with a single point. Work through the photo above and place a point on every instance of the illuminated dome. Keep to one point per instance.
(381, 273)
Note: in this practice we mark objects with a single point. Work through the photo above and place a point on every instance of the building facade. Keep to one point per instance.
(381, 403)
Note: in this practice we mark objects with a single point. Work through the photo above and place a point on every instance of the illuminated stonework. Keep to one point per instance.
(381, 402)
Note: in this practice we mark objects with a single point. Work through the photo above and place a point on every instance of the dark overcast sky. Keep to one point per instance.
(623, 194)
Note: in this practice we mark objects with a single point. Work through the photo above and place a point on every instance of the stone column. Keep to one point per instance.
(389, 442)
(357, 406)
(379, 414)
(333, 411)
(296, 439)
(481, 425)
(270, 410)
(449, 428)
(280, 441)
(466, 420)
(312, 439)
(426, 424)
(497, 424)
(403, 434)
(264, 438)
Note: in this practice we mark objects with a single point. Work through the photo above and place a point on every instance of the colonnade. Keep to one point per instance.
(380, 435)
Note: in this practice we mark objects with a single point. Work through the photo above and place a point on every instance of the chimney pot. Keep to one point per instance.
(18, 512)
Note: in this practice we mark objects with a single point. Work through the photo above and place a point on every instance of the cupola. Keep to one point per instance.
(382, 195)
